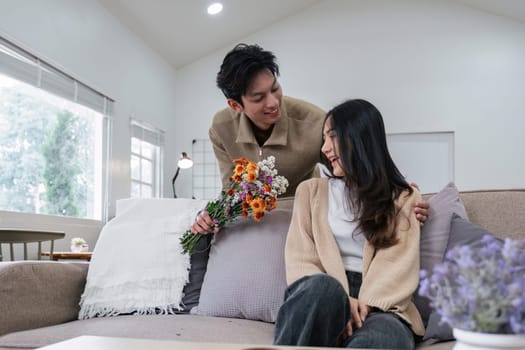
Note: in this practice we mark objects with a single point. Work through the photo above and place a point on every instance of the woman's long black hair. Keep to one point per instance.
(371, 176)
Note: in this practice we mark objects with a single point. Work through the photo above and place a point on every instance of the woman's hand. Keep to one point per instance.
(421, 208)
(421, 211)
(204, 224)
(358, 313)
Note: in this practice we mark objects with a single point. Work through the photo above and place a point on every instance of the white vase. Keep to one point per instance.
(467, 340)
(76, 248)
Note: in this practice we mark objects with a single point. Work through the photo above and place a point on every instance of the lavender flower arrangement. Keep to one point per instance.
(480, 288)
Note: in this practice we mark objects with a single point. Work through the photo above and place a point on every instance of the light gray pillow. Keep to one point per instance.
(245, 277)
(435, 234)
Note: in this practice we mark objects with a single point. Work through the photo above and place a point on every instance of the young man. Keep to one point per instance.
(259, 121)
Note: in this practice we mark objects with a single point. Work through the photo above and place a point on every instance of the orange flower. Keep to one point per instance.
(230, 192)
(258, 205)
(245, 205)
(249, 197)
(242, 161)
(251, 166)
(267, 188)
(251, 176)
(244, 213)
(237, 178)
(257, 216)
(238, 170)
(272, 204)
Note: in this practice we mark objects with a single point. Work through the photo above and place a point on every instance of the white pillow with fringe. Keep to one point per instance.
(137, 265)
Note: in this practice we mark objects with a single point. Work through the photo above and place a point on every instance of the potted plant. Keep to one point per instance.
(479, 291)
(77, 244)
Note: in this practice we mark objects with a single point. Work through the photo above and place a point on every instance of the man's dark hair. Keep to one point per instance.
(239, 68)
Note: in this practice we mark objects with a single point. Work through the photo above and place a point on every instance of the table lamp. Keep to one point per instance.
(184, 162)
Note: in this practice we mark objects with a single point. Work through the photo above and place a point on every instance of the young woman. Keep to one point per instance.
(352, 252)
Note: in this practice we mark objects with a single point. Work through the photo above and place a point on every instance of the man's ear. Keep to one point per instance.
(236, 106)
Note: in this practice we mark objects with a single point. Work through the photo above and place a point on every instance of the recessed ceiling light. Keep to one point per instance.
(215, 8)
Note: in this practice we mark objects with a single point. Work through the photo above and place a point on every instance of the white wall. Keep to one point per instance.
(427, 65)
(83, 39)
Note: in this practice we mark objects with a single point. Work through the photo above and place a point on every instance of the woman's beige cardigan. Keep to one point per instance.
(390, 276)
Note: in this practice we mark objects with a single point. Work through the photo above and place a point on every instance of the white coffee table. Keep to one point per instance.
(89, 342)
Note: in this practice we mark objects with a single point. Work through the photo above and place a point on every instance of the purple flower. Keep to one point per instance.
(424, 287)
(480, 287)
(464, 259)
(517, 323)
(441, 271)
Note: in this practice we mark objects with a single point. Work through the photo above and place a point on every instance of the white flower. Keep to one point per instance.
(78, 241)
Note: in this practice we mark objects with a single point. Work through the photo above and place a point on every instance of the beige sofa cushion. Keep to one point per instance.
(163, 327)
(499, 211)
(39, 293)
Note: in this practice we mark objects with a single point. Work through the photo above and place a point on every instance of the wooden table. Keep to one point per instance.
(89, 342)
(68, 255)
(16, 235)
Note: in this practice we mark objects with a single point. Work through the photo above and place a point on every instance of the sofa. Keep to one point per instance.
(39, 300)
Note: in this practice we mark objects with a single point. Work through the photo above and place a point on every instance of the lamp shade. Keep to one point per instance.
(185, 162)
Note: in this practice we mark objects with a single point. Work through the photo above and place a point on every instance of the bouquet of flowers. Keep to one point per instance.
(253, 190)
(480, 288)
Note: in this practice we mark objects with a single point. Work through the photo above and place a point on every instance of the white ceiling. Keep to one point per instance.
(507, 8)
(181, 31)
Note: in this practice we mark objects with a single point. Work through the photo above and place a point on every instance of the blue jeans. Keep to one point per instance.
(316, 310)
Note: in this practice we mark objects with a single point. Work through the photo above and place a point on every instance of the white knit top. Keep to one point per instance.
(349, 240)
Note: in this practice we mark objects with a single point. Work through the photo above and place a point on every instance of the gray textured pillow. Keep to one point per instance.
(462, 232)
(245, 277)
(435, 234)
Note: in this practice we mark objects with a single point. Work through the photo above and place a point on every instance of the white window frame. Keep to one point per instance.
(145, 132)
(20, 64)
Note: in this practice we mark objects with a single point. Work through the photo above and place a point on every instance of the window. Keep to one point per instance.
(53, 139)
(147, 146)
